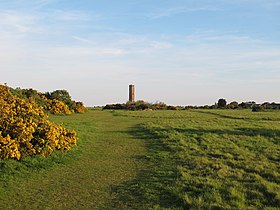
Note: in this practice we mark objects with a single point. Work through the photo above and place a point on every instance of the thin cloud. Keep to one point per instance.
(16, 22)
(84, 40)
(225, 38)
(168, 12)
(72, 52)
(160, 45)
(71, 15)
(44, 2)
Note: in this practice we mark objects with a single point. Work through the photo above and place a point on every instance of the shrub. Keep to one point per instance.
(64, 97)
(232, 105)
(26, 131)
(172, 108)
(257, 108)
(138, 105)
(56, 102)
(159, 106)
(222, 103)
(61, 95)
(58, 107)
(80, 108)
(114, 106)
(247, 105)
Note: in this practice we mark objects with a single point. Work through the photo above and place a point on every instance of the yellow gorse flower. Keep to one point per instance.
(25, 129)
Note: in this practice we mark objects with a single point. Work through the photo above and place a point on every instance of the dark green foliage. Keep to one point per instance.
(18, 92)
(40, 98)
(142, 105)
(172, 108)
(159, 106)
(139, 105)
(257, 108)
(115, 107)
(232, 105)
(247, 105)
(29, 94)
(272, 105)
(222, 103)
(61, 95)
(64, 96)
(24, 93)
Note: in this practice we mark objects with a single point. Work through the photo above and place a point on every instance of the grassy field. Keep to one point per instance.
(207, 159)
(216, 159)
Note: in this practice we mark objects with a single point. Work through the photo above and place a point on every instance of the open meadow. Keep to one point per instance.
(191, 159)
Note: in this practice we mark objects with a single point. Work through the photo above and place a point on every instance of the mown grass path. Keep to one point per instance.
(106, 156)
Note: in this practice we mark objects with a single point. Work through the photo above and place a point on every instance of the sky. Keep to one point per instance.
(181, 52)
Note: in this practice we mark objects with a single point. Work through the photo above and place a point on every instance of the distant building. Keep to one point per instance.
(131, 93)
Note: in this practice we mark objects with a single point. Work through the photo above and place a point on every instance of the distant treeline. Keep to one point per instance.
(221, 104)
(138, 105)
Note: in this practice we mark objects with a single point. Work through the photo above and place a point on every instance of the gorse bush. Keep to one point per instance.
(26, 131)
(64, 97)
(56, 102)
(79, 108)
(57, 107)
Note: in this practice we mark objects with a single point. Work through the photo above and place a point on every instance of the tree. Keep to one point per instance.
(64, 96)
(247, 105)
(257, 108)
(222, 103)
(232, 105)
(159, 106)
(61, 95)
(142, 105)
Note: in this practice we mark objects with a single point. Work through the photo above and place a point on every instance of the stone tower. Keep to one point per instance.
(131, 93)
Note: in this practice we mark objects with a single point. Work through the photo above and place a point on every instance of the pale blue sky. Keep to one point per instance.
(176, 51)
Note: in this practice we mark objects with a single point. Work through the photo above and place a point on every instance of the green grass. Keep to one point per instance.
(216, 159)
(195, 159)
(80, 179)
